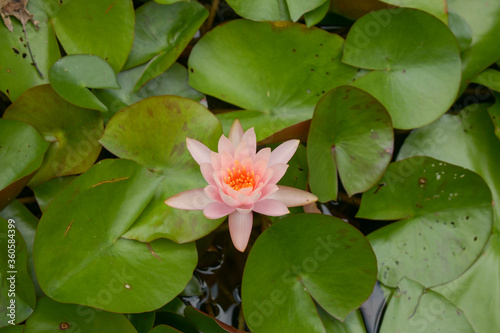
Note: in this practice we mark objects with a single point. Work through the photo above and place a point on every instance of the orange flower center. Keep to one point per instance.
(239, 177)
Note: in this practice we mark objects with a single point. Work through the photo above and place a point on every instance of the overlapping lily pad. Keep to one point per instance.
(437, 8)
(161, 34)
(274, 10)
(21, 153)
(317, 259)
(226, 64)
(72, 75)
(51, 316)
(415, 61)
(165, 122)
(172, 82)
(446, 219)
(72, 131)
(351, 133)
(82, 228)
(16, 285)
(16, 70)
(101, 27)
(46, 191)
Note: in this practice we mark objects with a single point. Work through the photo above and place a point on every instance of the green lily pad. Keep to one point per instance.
(100, 27)
(489, 78)
(352, 324)
(21, 153)
(51, 316)
(226, 64)
(415, 61)
(438, 9)
(12, 329)
(143, 322)
(351, 133)
(82, 228)
(482, 16)
(412, 308)
(164, 329)
(460, 29)
(17, 295)
(315, 16)
(72, 75)
(72, 131)
(469, 141)
(168, 120)
(17, 74)
(161, 34)
(46, 191)
(26, 224)
(494, 112)
(172, 82)
(274, 10)
(316, 259)
(446, 219)
(207, 324)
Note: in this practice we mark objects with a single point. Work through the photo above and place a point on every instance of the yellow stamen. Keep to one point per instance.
(239, 177)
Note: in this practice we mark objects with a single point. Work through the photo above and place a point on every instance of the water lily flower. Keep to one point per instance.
(241, 180)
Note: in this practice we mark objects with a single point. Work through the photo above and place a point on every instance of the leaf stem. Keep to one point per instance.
(31, 54)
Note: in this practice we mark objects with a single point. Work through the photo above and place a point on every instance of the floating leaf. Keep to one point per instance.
(315, 16)
(168, 120)
(356, 9)
(100, 27)
(143, 322)
(412, 308)
(72, 131)
(489, 78)
(494, 112)
(226, 64)
(46, 191)
(72, 75)
(21, 153)
(350, 132)
(315, 259)
(82, 228)
(206, 323)
(51, 316)
(17, 295)
(173, 82)
(460, 29)
(438, 9)
(164, 329)
(415, 61)
(161, 34)
(274, 10)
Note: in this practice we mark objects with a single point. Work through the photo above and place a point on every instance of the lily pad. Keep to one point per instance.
(21, 153)
(438, 9)
(460, 29)
(415, 61)
(172, 82)
(351, 133)
(317, 259)
(161, 34)
(72, 75)
(17, 296)
(446, 219)
(46, 191)
(489, 78)
(469, 141)
(51, 316)
(143, 322)
(412, 308)
(226, 64)
(168, 120)
(72, 131)
(206, 323)
(17, 73)
(100, 27)
(482, 18)
(494, 112)
(273, 10)
(315, 16)
(82, 228)
(164, 329)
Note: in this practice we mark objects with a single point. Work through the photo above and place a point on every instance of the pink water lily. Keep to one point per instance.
(241, 180)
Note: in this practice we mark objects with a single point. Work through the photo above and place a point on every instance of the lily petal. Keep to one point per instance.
(293, 197)
(217, 210)
(190, 200)
(284, 152)
(212, 191)
(208, 172)
(198, 150)
(225, 145)
(236, 132)
(240, 228)
(270, 207)
(251, 140)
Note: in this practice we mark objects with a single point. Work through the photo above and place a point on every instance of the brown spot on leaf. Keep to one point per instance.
(150, 248)
(63, 326)
(110, 181)
(69, 226)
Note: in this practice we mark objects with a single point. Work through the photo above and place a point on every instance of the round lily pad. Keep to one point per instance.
(316, 259)
(274, 10)
(161, 34)
(72, 75)
(415, 61)
(226, 64)
(72, 131)
(437, 8)
(167, 121)
(100, 27)
(82, 228)
(51, 316)
(446, 219)
(21, 153)
(351, 133)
